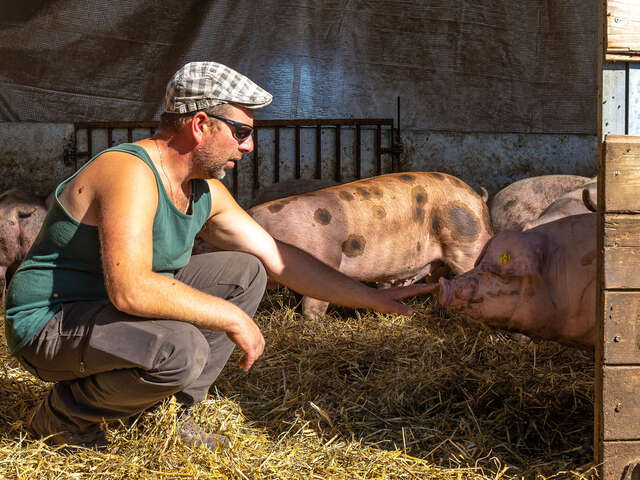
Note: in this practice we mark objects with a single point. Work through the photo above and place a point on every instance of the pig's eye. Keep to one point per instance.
(505, 258)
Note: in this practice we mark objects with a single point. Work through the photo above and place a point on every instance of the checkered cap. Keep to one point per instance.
(200, 85)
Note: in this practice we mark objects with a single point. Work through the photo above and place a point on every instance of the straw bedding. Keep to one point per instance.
(356, 395)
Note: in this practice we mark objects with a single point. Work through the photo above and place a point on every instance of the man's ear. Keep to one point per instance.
(200, 127)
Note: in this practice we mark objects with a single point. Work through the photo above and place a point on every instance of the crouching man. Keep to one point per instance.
(110, 305)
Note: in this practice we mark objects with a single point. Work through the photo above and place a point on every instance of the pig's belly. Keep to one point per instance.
(385, 264)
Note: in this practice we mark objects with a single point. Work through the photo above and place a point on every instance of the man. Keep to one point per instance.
(108, 303)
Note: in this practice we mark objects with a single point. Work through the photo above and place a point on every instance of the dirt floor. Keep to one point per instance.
(355, 395)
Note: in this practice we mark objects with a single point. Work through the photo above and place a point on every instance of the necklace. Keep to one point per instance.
(173, 198)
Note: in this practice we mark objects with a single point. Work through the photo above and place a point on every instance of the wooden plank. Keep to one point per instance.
(614, 111)
(622, 58)
(621, 268)
(621, 241)
(619, 457)
(621, 251)
(622, 174)
(623, 27)
(621, 409)
(621, 335)
(621, 230)
(633, 102)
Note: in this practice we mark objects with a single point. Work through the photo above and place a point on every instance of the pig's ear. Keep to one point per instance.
(482, 253)
(514, 254)
(528, 259)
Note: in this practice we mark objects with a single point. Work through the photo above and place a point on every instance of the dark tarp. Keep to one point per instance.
(460, 65)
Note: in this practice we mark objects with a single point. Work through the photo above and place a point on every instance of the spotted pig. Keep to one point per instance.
(525, 200)
(387, 229)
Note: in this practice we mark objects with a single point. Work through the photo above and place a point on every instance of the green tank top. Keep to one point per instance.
(64, 263)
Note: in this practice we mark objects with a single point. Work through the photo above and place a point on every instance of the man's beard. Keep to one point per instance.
(217, 171)
(203, 156)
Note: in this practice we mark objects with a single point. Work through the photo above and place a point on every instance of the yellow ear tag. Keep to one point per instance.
(505, 258)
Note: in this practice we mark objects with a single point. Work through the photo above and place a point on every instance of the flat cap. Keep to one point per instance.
(201, 85)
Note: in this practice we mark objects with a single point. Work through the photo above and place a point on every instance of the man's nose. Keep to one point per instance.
(246, 145)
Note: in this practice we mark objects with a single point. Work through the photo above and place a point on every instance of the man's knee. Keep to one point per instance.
(253, 284)
(181, 357)
(257, 278)
(248, 274)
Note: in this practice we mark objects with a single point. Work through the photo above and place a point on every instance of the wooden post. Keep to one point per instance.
(617, 386)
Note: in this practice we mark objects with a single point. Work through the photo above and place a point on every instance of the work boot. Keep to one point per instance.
(92, 437)
(194, 435)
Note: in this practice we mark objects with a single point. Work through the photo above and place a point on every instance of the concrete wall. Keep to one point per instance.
(494, 160)
(35, 156)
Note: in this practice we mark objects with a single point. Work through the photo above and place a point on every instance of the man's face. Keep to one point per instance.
(222, 150)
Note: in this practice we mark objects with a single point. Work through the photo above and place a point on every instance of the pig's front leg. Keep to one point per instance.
(313, 308)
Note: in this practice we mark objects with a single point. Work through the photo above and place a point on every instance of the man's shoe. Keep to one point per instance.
(194, 435)
(90, 438)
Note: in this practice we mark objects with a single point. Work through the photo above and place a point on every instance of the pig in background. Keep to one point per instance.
(391, 229)
(541, 282)
(576, 202)
(21, 216)
(525, 200)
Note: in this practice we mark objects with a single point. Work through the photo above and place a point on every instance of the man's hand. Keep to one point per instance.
(247, 336)
(387, 300)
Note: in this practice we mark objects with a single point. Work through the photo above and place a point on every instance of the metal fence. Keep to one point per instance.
(337, 149)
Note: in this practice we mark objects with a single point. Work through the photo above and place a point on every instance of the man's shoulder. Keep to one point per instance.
(114, 170)
(121, 161)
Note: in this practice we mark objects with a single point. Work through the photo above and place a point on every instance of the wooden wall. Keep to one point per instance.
(617, 410)
(617, 368)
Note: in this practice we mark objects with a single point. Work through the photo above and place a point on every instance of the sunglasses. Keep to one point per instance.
(241, 131)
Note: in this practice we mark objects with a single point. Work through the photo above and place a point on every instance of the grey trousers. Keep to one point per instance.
(109, 365)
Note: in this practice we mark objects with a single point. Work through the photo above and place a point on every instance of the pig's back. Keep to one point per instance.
(382, 227)
(523, 201)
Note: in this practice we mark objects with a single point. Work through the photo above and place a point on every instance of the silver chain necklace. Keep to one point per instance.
(173, 198)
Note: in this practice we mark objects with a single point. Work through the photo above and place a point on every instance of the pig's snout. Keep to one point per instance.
(459, 291)
(444, 291)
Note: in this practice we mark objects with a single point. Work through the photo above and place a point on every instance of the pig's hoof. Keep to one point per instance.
(520, 338)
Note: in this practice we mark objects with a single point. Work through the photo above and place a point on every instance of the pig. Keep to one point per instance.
(540, 283)
(523, 201)
(390, 229)
(288, 188)
(21, 216)
(576, 202)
